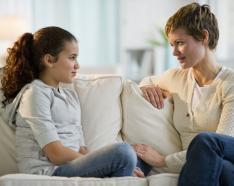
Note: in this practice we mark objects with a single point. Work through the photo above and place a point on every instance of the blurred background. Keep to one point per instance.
(115, 36)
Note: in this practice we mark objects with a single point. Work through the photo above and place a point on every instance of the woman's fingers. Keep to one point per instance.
(145, 95)
(159, 96)
(154, 95)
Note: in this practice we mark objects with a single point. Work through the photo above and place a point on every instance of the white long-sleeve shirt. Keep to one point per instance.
(214, 112)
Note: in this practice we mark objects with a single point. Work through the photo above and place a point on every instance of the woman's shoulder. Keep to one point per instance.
(226, 81)
(176, 73)
(228, 74)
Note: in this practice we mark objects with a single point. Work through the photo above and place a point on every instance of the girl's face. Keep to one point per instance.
(65, 68)
(188, 51)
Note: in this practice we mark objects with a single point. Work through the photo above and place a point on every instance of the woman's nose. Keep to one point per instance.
(175, 51)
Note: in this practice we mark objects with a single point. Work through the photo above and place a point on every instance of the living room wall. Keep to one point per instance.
(106, 29)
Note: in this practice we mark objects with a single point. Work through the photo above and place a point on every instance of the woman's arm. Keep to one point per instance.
(154, 94)
(156, 88)
(149, 155)
(172, 162)
(226, 122)
(58, 154)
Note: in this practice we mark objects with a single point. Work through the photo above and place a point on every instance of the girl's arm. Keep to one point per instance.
(58, 154)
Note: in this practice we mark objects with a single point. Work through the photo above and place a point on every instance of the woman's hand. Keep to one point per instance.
(154, 95)
(149, 155)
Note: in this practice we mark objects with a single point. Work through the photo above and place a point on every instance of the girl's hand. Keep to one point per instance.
(149, 155)
(138, 173)
(83, 150)
(154, 95)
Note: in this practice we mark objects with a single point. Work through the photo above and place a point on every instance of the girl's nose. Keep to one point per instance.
(76, 66)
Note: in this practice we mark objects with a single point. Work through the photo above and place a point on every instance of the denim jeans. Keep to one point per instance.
(146, 168)
(210, 159)
(111, 161)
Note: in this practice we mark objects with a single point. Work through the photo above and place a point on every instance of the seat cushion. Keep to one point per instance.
(163, 180)
(38, 180)
(145, 124)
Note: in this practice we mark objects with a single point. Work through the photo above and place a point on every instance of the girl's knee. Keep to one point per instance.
(124, 151)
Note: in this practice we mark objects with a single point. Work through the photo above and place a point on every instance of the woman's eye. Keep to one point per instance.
(179, 43)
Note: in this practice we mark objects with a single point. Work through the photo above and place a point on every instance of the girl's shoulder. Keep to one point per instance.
(38, 87)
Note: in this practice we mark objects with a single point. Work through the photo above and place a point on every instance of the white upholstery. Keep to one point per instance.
(102, 100)
(7, 149)
(38, 180)
(100, 109)
(143, 123)
(163, 179)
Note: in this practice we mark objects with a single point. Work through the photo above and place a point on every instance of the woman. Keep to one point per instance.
(210, 159)
(46, 117)
(202, 90)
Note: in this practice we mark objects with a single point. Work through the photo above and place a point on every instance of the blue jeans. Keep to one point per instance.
(210, 159)
(146, 168)
(111, 161)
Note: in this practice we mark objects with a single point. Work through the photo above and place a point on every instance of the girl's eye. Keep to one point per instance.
(73, 58)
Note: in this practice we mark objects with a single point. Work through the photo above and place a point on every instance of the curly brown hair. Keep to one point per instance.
(195, 18)
(24, 59)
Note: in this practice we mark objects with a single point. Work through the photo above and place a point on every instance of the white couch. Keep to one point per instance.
(112, 110)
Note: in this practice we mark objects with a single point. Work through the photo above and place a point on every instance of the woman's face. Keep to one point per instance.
(188, 51)
(65, 68)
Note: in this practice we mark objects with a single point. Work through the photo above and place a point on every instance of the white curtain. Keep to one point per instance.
(95, 23)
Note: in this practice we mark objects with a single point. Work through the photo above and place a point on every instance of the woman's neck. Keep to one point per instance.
(206, 71)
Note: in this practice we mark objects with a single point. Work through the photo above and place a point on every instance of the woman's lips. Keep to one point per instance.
(181, 59)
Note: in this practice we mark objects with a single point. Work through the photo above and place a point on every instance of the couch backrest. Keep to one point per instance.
(7, 149)
(102, 99)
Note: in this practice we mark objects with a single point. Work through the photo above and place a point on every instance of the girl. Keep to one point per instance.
(49, 137)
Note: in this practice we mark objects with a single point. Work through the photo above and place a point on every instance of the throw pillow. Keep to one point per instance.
(101, 112)
(145, 124)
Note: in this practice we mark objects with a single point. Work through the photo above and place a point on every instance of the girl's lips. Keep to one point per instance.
(74, 73)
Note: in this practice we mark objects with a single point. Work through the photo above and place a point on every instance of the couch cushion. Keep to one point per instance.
(101, 112)
(7, 149)
(37, 180)
(163, 179)
(145, 124)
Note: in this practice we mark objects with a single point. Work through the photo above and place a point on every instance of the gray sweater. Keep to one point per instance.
(42, 114)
